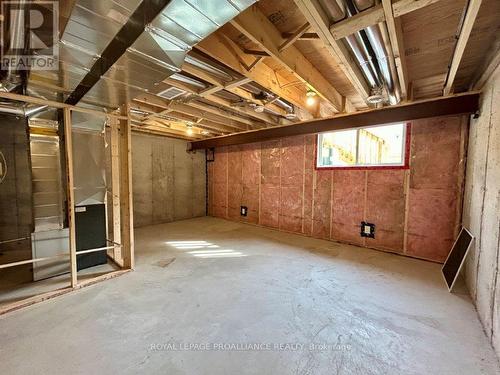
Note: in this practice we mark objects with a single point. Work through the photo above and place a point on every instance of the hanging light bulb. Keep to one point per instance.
(189, 128)
(311, 97)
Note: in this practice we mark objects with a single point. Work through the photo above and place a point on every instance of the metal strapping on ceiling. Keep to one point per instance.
(156, 54)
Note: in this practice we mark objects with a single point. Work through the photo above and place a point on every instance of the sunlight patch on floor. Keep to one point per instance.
(204, 249)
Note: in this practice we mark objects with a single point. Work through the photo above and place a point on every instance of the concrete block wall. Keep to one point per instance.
(417, 212)
(168, 183)
(482, 210)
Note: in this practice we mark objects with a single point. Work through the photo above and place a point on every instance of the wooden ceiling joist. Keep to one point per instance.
(488, 68)
(255, 25)
(155, 112)
(360, 21)
(217, 111)
(163, 130)
(203, 123)
(187, 109)
(294, 37)
(233, 87)
(159, 106)
(396, 38)
(254, 52)
(373, 16)
(208, 94)
(470, 17)
(305, 36)
(230, 54)
(237, 83)
(444, 106)
(314, 13)
(244, 110)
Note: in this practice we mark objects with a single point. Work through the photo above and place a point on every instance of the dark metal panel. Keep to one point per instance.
(455, 105)
(16, 216)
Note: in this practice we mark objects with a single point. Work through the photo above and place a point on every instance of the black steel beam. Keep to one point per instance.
(145, 13)
(452, 105)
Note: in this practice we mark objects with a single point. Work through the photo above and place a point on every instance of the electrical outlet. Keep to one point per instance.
(367, 230)
(243, 211)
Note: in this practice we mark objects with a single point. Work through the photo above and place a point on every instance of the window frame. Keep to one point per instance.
(406, 149)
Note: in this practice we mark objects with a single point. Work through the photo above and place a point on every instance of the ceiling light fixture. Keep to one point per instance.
(189, 128)
(311, 97)
(259, 108)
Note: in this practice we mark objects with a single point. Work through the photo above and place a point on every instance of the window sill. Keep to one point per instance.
(364, 168)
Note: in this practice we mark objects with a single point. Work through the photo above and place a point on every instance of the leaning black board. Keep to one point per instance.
(456, 258)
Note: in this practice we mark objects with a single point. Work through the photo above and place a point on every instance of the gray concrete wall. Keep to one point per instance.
(168, 182)
(482, 210)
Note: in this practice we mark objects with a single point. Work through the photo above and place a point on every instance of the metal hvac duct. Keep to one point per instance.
(157, 53)
(386, 69)
(368, 48)
(12, 79)
(355, 43)
(21, 110)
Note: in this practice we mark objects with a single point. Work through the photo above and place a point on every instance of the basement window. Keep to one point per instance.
(381, 146)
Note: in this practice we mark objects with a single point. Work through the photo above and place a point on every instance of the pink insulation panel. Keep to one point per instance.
(415, 211)
(270, 194)
(322, 207)
(348, 205)
(292, 184)
(250, 198)
(219, 185)
(385, 206)
(234, 186)
(435, 187)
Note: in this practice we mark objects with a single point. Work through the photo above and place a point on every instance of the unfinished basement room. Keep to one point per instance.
(205, 187)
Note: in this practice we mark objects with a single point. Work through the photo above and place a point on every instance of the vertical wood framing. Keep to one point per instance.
(70, 194)
(115, 188)
(407, 180)
(126, 211)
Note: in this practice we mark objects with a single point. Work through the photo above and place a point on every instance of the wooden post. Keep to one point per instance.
(126, 212)
(115, 188)
(71, 194)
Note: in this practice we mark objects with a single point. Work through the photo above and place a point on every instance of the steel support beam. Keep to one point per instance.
(446, 106)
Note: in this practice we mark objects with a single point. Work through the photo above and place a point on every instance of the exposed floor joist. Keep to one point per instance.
(209, 116)
(396, 38)
(233, 87)
(294, 37)
(470, 17)
(375, 15)
(305, 36)
(313, 12)
(264, 117)
(255, 25)
(359, 21)
(230, 54)
(486, 70)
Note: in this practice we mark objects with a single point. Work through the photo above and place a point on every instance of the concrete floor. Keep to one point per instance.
(368, 312)
(18, 292)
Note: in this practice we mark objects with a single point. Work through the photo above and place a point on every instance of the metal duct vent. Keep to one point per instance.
(158, 53)
(171, 93)
(368, 49)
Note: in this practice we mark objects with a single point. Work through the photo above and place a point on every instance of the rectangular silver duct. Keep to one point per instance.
(158, 53)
